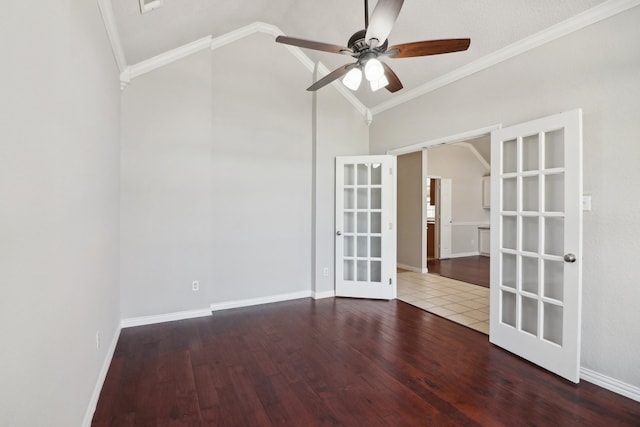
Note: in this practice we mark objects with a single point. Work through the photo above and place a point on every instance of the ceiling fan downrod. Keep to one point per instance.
(366, 14)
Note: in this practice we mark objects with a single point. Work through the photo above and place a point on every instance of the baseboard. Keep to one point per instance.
(93, 403)
(161, 318)
(257, 301)
(611, 384)
(464, 254)
(412, 268)
(325, 294)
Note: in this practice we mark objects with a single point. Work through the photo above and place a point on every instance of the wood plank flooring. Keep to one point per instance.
(471, 269)
(337, 361)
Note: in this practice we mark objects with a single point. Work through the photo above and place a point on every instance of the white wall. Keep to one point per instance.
(409, 211)
(216, 180)
(59, 130)
(597, 69)
(458, 163)
(339, 130)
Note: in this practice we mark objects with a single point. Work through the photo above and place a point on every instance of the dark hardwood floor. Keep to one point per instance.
(472, 269)
(337, 362)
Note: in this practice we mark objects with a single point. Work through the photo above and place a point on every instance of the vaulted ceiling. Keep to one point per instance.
(491, 24)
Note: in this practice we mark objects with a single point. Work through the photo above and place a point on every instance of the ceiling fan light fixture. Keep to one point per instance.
(353, 78)
(373, 70)
(367, 45)
(379, 84)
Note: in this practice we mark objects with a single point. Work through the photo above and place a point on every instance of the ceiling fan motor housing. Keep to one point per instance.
(358, 44)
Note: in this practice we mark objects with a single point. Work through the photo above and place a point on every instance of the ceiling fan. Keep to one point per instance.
(371, 43)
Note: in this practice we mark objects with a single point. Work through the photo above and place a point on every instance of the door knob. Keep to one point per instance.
(339, 233)
(570, 258)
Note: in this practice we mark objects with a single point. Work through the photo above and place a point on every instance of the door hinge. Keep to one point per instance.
(390, 226)
(390, 171)
(390, 281)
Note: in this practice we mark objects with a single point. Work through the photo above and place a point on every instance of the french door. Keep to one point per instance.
(365, 227)
(536, 241)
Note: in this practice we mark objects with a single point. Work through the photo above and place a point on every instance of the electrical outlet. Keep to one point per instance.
(195, 286)
(98, 340)
(325, 271)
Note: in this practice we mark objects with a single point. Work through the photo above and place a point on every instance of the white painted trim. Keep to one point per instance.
(478, 156)
(257, 301)
(611, 384)
(108, 17)
(93, 403)
(471, 224)
(242, 32)
(325, 294)
(165, 58)
(464, 254)
(166, 317)
(451, 139)
(591, 16)
(412, 268)
(168, 57)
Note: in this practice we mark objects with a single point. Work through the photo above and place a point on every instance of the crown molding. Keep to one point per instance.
(148, 65)
(131, 72)
(591, 16)
(108, 17)
(584, 19)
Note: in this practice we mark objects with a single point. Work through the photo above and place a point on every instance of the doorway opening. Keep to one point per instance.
(454, 218)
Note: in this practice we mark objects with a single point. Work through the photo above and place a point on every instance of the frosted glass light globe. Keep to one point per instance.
(373, 70)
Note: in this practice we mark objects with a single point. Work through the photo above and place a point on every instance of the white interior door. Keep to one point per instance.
(365, 227)
(536, 241)
(445, 217)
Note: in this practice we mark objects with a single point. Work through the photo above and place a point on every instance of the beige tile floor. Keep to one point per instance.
(457, 301)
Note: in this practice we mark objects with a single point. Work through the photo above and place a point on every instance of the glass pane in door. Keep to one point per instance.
(530, 234)
(529, 312)
(554, 149)
(530, 152)
(554, 236)
(509, 156)
(508, 312)
(553, 318)
(530, 193)
(348, 175)
(554, 280)
(554, 193)
(376, 174)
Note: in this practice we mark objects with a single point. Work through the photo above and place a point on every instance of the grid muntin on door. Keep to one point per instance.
(532, 240)
(362, 211)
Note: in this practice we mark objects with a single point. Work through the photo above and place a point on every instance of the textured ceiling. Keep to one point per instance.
(491, 25)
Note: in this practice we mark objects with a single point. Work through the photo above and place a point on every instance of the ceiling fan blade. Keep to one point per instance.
(430, 47)
(309, 44)
(382, 19)
(394, 82)
(335, 74)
